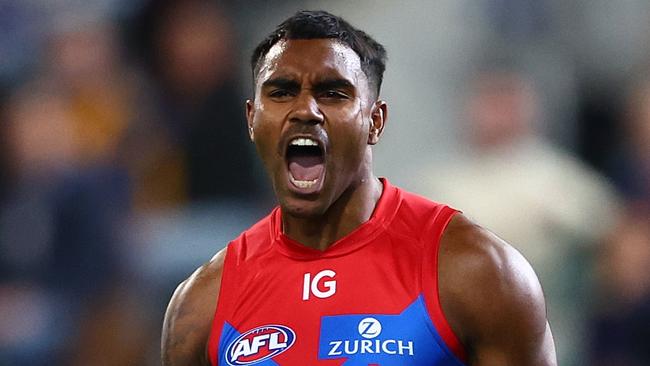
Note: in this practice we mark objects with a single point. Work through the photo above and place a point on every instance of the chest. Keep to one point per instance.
(364, 308)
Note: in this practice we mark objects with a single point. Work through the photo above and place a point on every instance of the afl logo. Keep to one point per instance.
(260, 344)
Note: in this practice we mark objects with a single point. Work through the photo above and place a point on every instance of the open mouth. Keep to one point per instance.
(305, 159)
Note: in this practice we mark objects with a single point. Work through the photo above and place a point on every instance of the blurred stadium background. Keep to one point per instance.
(124, 161)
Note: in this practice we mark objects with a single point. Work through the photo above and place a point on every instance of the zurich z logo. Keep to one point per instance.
(259, 344)
(369, 328)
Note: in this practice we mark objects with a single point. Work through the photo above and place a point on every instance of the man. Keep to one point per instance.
(349, 269)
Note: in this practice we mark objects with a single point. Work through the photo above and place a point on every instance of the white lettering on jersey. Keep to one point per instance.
(367, 346)
(334, 351)
(310, 286)
(370, 328)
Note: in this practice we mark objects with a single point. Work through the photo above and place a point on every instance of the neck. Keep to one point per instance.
(349, 211)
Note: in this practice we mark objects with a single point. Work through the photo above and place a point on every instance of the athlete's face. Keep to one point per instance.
(313, 120)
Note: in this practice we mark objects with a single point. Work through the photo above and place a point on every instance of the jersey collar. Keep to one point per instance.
(381, 217)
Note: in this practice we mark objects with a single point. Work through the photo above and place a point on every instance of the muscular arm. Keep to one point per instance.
(492, 299)
(189, 316)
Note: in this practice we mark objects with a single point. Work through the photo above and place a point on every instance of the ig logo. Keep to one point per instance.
(311, 286)
(369, 328)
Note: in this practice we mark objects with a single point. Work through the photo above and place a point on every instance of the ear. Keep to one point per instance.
(250, 114)
(378, 118)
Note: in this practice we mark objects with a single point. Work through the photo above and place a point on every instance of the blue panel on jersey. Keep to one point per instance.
(405, 339)
(229, 338)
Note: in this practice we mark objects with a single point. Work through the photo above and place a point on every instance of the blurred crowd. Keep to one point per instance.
(125, 162)
(98, 136)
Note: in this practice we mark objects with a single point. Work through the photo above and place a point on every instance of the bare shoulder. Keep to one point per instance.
(189, 315)
(492, 298)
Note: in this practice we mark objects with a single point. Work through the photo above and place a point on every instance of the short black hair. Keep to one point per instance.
(321, 24)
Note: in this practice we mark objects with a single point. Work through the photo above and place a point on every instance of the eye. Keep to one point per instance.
(280, 94)
(334, 94)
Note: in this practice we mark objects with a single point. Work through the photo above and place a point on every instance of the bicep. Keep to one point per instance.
(182, 344)
(188, 319)
(520, 349)
(493, 300)
(512, 328)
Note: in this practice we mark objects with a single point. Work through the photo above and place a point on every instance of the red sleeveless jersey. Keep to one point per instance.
(369, 299)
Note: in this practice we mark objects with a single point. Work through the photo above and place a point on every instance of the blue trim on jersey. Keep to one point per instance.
(406, 339)
(403, 339)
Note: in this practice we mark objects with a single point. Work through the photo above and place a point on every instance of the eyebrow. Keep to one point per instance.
(281, 83)
(333, 83)
(292, 84)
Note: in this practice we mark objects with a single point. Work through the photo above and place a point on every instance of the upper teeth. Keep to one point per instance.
(303, 142)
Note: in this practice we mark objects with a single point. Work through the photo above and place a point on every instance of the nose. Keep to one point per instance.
(306, 110)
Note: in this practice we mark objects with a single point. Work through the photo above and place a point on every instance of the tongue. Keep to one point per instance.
(306, 167)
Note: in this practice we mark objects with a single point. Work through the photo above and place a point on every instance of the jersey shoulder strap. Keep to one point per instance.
(432, 235)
